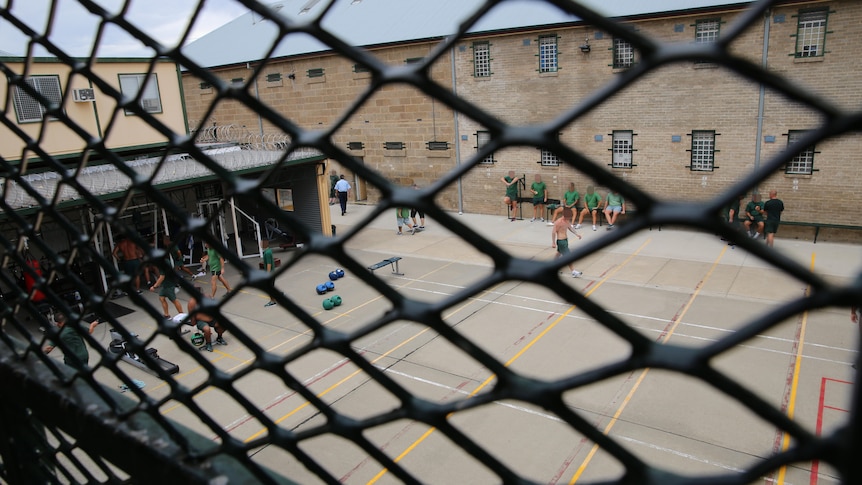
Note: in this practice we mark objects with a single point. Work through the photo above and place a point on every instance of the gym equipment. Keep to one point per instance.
(321, 289)
(120, 346)
(272, 231)
(336, 300)
(327, 304)
(329, 286)
(333, 275)
(339, 272)
(197, 339)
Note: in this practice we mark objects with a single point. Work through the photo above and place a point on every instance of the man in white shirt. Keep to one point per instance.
(342, 188)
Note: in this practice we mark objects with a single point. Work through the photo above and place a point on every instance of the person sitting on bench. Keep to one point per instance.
(206, 323)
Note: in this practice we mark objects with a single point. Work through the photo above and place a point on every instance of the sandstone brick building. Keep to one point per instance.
(685, 130)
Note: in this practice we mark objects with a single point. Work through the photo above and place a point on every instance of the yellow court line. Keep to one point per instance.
(644, 372)
(794, 387)
(514, 358)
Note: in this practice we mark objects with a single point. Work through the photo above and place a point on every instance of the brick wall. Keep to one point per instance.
(669, 101)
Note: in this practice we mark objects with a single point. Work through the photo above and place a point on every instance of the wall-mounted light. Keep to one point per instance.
(585, 48)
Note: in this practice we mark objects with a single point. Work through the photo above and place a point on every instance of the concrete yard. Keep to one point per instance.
(673, 285)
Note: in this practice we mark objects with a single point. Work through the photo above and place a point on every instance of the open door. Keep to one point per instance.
(360, 190)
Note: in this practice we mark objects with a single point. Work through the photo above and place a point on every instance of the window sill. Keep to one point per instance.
(316, 80)
(798, 175)
(275, 84)
(481, 78)
(618, 70)
(549, 74)
(806, 60)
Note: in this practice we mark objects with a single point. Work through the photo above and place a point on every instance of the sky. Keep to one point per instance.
(74, 28)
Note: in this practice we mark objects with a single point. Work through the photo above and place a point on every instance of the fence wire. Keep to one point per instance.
(63, 425)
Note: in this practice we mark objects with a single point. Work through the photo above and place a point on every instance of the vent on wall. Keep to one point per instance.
(438, 145)
(355, 145)
(393, 145)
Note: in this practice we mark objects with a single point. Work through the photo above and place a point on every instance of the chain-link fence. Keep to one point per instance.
(60, 424)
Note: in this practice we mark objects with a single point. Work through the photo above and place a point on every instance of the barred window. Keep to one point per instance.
(548, 53)
(549, 159)
(802, 163)
(706, 31)
(133, 84)
(482, 139)
(30, 109)
(702, 151)
(624, 53)
(481, 59)
(811, 32)
(622, 149)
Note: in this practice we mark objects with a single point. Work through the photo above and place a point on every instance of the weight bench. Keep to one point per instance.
(393, 262)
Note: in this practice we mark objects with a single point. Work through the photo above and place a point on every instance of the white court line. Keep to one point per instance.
(645, 317)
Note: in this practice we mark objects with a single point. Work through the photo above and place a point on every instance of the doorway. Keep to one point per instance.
(361, 192)
(212, 211)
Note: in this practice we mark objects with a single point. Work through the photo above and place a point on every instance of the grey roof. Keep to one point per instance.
(376, 22)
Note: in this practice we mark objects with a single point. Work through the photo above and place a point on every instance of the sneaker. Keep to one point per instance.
(176, 289)
(412, 231)
(755, 235)
(270, 303)
(139, 291)
(549, 224)
(209, 347)
(421, 227)
(578, 226)
(576, 274)
(610, 227)
(541, 219)
(594, 227)
(399, 233)
(512, 219)
(199, 275)
(220, 341)
(533, 220)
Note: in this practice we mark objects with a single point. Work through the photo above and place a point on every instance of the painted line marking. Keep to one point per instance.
(644, 372)
(794, 387)
(514, 358)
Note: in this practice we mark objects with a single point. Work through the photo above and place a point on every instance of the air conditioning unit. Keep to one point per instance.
(86, 95)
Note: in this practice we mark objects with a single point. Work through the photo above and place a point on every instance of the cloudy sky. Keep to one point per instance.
(74, 27)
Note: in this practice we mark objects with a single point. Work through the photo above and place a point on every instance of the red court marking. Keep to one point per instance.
(815, 465)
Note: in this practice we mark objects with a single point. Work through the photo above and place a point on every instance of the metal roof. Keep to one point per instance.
(106, 181)
(377, 22)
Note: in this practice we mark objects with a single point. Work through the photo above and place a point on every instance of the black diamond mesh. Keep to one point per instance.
(64, 426)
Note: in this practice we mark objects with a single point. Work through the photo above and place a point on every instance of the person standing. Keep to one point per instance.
(333, 179)
(402, 218)
(75, 352)
(511, 198)
(592, 201)
(342, 189)
(414, 212)
(168, 291)
(614, 206)
(773, 208)
(560, 238)
(129, 255)
(174, 252)
(216, 265)
(754, 216)
(268, 265)
(540, 198)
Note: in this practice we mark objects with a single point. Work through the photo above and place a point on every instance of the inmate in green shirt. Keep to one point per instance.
(571, 198)
(511, 190)
(592, 200)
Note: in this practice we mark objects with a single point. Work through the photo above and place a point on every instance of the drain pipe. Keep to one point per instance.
(457, 134)
(760, 101)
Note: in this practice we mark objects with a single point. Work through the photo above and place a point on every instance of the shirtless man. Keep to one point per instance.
(560, 238)
(129, 255)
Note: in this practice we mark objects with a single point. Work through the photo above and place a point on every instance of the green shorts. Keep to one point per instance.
(552, 207)
(168, 292)
(563, 246)
(202, 324)
(771, 227)
(538, 201)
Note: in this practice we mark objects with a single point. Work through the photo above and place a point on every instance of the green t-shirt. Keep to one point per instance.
(75, 347)
(402, 212)
(540, 188)
(511, 190)
(571, 198)
(615, 199)
(214, 260)
(752, 207)
(268, 259)
(592, 200)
